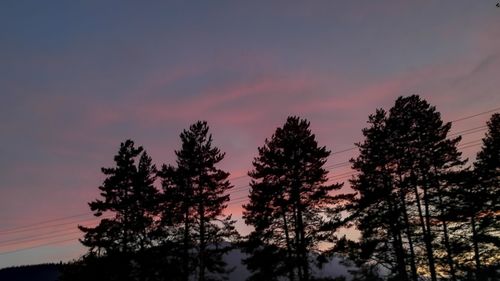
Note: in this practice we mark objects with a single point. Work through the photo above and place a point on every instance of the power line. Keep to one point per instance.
(351, 173)
(329, 168)
(470, 142)
(53, 235)
(468, 131)
(469, 146)
(50, 234)
(239, 201)
(238, 177)
(341, 164)
(233, 201)
(475, 115)
(44, 222)
(463, 132)
(346, 163)
(453, 121)
(42, 234)
(233, 191)
(28, 229)
(38, 246)
(342, 151)
(245, 198)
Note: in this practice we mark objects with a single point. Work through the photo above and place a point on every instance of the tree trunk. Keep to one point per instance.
(413, 266)
(397, 244)
(427, 238)
(302, 245)
(303, 262)
(201, 254)
(291, 273)
(298, 251)
(447, 245)
(476, 247)
(449, 256)
(185, 256)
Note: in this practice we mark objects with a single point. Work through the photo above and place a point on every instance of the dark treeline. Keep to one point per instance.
(421, 211)
(39, 272)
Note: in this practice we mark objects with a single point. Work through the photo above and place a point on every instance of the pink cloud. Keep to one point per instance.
(263, 104)
(210, 102)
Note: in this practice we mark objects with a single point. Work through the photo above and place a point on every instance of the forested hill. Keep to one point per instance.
(40, 272)
(51, 272)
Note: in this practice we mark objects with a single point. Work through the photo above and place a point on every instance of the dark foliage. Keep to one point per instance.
(404, 164)
(290, 206)
(39, 272)
(194, 198)
(421, 215)
(128, 195)
(475, 212)
(119, 243)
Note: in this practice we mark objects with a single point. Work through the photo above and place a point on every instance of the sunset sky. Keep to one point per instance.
(79, 77)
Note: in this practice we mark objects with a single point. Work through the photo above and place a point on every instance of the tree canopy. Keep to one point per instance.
(289, 200)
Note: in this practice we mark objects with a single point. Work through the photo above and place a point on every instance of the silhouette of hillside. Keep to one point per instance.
(40, 272)
(332, 268)
(51, 272)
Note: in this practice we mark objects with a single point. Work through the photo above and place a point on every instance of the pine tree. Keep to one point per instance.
(195, 194)
(265, 261)
(403, 166)
(380, 207)
(289, 199)
(423, 155)
(128, 197)
(479, 205)
(487, 175)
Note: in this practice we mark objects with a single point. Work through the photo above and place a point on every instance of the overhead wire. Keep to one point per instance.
(476, 129)
(40, 245)
(42, 224)
(2, 231)
(42, 237)
(28, 229)
(475, 115)
(232, 202)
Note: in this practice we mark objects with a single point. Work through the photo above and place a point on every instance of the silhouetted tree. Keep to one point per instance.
(403, 166)
(487, 174)
(423, 156)
(476, 210)
(128, 197)
(380, 206)
(195, 194)
(265, 261)
(289, 200)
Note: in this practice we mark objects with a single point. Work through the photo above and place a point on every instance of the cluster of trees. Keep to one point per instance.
(421, 214)
(419, 211)
(168, 233)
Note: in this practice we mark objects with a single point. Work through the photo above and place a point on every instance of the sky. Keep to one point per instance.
(79, 77)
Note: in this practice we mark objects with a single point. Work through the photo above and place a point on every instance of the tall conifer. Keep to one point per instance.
(128, 197)
(478, 206)
(289, 198)
(403, 164)
(196, 194)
